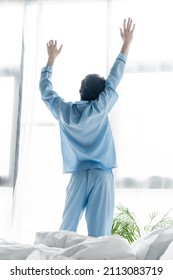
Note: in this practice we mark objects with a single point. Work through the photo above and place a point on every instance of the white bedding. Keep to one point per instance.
(70, 245)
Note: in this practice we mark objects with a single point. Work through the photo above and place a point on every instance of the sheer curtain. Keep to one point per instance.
(141, 120)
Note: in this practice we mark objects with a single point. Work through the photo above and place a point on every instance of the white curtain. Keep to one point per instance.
(141, 120)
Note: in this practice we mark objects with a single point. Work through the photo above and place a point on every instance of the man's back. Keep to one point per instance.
(86, 137)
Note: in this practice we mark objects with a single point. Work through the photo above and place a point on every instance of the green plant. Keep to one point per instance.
(126, 225)
(158, 221)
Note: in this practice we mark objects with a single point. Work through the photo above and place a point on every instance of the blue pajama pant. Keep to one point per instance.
(91, 190)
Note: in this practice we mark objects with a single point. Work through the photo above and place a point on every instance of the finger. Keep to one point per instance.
(130, 26)
(133, 28)
(121, 32)
(124, 24)
(55, 43)
(60, 48)
(129, 23)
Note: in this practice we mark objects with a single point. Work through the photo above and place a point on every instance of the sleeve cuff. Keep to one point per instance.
(47, 69)
(122, 57)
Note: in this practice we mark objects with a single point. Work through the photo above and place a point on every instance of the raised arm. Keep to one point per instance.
(118, 67)
(109, 95)
(50, 97)
(46, 73)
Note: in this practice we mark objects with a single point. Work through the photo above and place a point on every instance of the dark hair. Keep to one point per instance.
(91, 86)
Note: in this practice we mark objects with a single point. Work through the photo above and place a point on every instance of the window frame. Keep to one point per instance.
(10, 179)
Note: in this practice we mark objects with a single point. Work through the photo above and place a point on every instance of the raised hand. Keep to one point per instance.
(127, 35)
(127, 31)
(53, 51)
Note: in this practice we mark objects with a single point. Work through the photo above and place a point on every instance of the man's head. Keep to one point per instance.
(91, 86)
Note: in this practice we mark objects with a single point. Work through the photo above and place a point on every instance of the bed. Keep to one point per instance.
(73, 246)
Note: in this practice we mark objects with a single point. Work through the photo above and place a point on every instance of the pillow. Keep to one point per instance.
(87, 248)
(101, 248)
(154, 245)
(168, 254)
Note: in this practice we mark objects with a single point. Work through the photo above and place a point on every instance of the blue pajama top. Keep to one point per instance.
(86, 136)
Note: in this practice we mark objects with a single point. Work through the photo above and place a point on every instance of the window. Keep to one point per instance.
(89, 31)
(11, 16)
(6, 110)
(143, 129)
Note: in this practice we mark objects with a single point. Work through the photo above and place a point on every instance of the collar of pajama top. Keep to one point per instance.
(86, 137)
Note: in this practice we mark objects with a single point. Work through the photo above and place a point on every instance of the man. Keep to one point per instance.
(86, 140)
